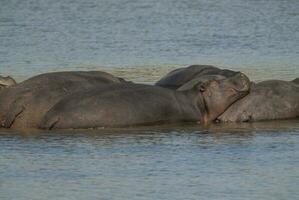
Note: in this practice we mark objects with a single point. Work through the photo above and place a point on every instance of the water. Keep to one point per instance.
(142, 41)
(257, 161)
(258, 37)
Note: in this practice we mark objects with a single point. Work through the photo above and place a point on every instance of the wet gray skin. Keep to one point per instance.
(6, 81)
(179, 77)
(267, 100)
(296, 80)
(24, 104)
(137, 104)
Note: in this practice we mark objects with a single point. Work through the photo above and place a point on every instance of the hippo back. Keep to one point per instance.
(179, 77)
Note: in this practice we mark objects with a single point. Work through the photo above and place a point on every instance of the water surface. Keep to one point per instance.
(254, 161)
(258, 37)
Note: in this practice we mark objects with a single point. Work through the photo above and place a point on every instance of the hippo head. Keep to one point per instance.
(217, 93)
(6, 82)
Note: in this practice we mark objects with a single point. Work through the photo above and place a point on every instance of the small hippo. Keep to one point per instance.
(137, 104)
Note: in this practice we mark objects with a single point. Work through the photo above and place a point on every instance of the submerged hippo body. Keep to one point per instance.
(137, 104)
(24, 104)
(179, 77)
(267, 100)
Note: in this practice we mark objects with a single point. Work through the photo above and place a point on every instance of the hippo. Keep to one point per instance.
(138, 104)
(180, 76)
(24, 104)
(267, 100)
(6, 81)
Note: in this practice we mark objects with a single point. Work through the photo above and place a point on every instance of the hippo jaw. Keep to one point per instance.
(218, 95)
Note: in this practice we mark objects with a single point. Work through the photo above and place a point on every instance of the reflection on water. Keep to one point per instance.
(257, 160)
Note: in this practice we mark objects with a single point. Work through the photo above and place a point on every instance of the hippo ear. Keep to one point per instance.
(190, 84)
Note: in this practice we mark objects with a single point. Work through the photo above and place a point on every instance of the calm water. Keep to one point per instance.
(258, 161)
(141, 41)
(258, 37)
